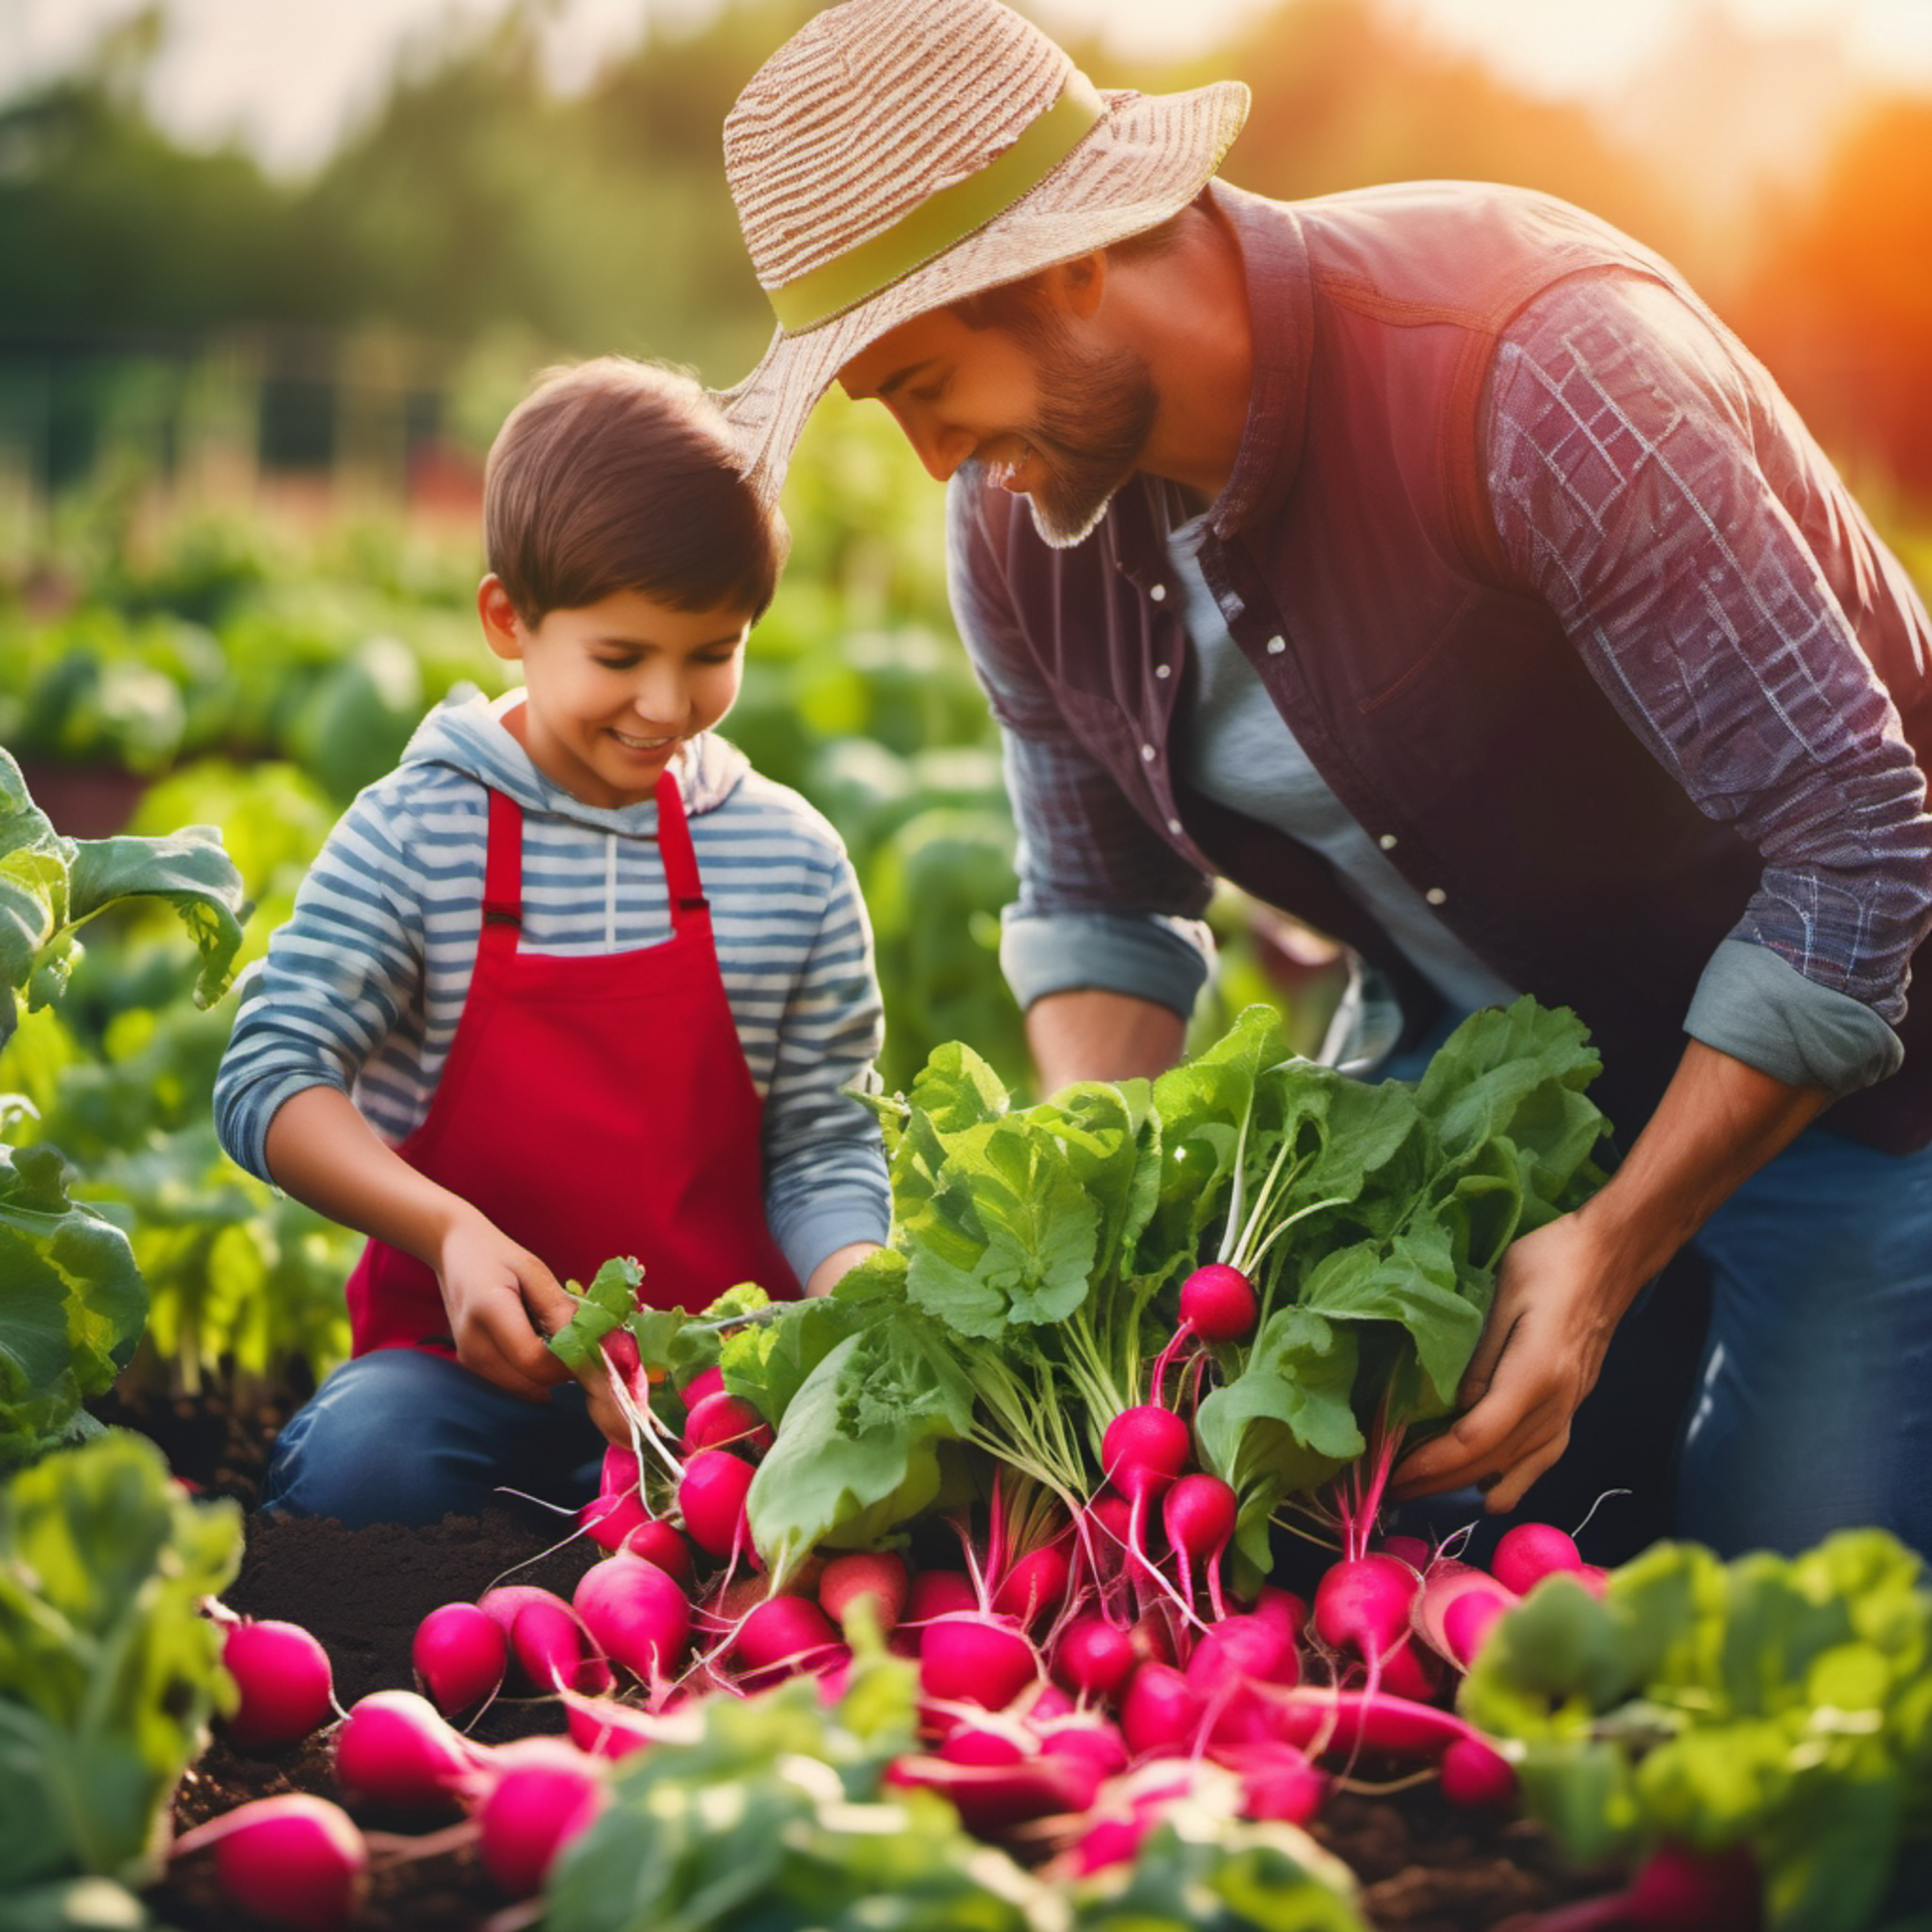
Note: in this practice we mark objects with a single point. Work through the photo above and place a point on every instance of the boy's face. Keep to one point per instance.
(612, 689)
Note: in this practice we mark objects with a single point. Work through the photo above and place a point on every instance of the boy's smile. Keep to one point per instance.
(612, 688)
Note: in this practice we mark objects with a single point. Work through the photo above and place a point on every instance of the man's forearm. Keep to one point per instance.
(1718, 1122)
(1091, 1034)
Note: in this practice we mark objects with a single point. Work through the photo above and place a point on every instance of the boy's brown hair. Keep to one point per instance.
(614, 476)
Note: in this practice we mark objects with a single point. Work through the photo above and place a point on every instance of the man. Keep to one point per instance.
(1428, 561)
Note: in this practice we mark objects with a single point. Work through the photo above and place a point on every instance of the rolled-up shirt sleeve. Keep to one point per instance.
(1104, 901)
(1628, 491)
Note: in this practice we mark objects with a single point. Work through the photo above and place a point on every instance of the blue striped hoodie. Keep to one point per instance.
(362, 987)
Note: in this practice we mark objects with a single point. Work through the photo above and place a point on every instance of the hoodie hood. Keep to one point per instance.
(468, 734)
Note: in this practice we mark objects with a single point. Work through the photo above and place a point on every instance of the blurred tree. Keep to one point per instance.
(1841, 305)
(1345, 96)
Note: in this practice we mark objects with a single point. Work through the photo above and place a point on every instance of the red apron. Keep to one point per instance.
(590, 1106)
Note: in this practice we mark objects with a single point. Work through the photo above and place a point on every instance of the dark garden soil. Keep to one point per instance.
(1424, 1867)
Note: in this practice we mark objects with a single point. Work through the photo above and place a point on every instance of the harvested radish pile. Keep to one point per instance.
(946, 1602)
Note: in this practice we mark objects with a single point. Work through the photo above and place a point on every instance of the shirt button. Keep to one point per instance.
(1387, 841)
(1164, 670)
(1147, 754)
(1435, 895)
(1275, 645)
(1159, 593)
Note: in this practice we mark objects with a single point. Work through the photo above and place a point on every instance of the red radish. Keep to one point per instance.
(722, 1421)
(1478, 1776)
(621, 1351)
(1036, 1587)
(292, 1861)
(636, 1614)
(1282, 1606)
(1160, 1713)
(663, 1544)
(1412, 1550)
(547, 1638)
(1094, 1657)
(623, 1473)
(1352, 1721)
(1142, 1451)
(1199, 1513)
(607, 1729)
(711, 1496)
(542, 1792)
(460, 1653)
(1152, 1638)
(1232, 1659)
(1110, 1517)
(1594, 1577)
(607, 1520)
(1362, 1603)
(1110, 1841)
(783, 1634)
(1088, 1736)
(939, 1593)
(1455, 1607)
(1048, 1704)
(1410, 1669)
(1217, 1302)
(1279, 1781)
(1677, 1889)
(971, 1658)
(396, 1748)
(283, 1676)
(707, 1381)
(1530, 1551)
(994, 1797)
(879, 1575)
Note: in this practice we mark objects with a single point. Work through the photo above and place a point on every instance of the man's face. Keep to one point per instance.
(1042, 414)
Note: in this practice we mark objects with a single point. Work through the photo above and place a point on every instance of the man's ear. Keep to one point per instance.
(1078, 285)
(503, 628)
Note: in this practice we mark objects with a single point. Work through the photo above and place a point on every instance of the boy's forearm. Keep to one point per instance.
(322, 1151)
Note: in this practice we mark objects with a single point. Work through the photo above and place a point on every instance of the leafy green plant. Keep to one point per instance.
(77, 1303)
(50, 886)
(1781, 1704)
(108, 1673)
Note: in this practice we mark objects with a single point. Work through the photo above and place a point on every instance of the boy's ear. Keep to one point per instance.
(503, 627)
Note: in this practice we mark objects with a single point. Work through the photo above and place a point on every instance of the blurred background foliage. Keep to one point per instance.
(241, 419)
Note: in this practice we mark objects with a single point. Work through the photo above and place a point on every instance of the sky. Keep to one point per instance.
(283, 74)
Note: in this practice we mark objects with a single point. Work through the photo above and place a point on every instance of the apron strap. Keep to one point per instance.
(502, 909)
(689, 907)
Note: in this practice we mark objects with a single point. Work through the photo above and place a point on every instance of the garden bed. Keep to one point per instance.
(1425, 1865)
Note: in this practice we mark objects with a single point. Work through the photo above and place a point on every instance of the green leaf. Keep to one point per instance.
(859, 1451)
(73, 1306)
(108, 1671)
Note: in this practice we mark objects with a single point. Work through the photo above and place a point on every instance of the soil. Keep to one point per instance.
(1424, 1865)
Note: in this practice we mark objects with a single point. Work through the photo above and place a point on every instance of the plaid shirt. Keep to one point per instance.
(1639, 513)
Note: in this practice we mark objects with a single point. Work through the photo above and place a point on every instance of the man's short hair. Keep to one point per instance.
(1013, 307)
(615, 475)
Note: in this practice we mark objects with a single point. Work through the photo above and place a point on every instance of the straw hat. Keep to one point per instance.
(896, 155)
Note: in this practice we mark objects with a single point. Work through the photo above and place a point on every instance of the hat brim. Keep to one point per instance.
(1143, 161)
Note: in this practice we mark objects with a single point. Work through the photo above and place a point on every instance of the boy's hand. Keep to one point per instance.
(501, 1300)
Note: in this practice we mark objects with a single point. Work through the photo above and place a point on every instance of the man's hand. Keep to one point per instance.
(1540, 1354)
(502, 1301)
(1561, 1291)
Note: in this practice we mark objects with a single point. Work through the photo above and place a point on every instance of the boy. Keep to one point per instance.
(572, 982)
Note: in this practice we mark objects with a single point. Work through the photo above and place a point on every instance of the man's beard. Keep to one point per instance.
(1093, 420)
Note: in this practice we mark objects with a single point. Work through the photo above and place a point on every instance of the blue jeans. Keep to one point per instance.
(401, 1437)
(1803, 1404)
